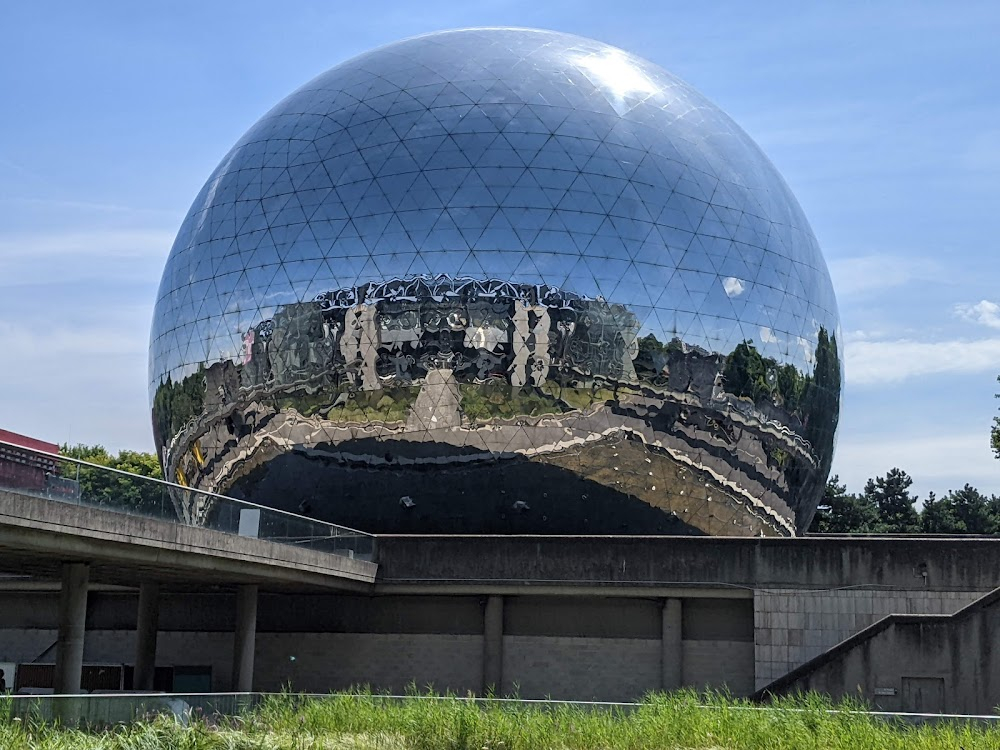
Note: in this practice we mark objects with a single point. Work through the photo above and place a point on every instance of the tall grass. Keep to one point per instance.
(363, 721)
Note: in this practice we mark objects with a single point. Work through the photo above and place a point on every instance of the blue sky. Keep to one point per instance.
(883, 117)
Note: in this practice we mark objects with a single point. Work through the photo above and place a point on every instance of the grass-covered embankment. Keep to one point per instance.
(680, 720)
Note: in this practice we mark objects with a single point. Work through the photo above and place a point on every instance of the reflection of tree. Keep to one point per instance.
(653, 355)
(175, 404)
(821, 399)
(417, 325)
(746, 372)
(814, 398)
(499, 400)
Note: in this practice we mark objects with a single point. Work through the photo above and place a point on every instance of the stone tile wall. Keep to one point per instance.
(791, 626)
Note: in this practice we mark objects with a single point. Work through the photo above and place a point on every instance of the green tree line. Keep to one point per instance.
(995, 434)
(113, 490)
(887, 506)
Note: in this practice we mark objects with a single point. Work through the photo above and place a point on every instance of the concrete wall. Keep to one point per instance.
(617, 669)
(889, 564)
(792, 626)
(929, 663)
(173, 648)
(719, 664)
(610, 669)
(320, 662)
(579, 617)
(564, 647)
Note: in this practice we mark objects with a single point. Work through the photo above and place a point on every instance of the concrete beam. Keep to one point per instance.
(33, 531)
(671, 650)
(625, 591)
(72, 627)
(147, 625)
(245, 638)
(493, 646)
(904, 564)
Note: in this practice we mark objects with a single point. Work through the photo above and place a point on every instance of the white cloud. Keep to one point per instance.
(23, 344)
(75, 308)
(808, 352)
(60, 257)
(103, 243)
(985, 313)
(21, 202)
(871, 362)
(860, 334)
(871, 273)
(767, 336)
(74, 381)
(734, 287)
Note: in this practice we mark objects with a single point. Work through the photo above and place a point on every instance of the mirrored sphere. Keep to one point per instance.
(500, 281)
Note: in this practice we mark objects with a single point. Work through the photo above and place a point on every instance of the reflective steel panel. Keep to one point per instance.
(500, 280)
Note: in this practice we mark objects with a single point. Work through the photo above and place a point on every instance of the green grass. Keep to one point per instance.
(362, 721)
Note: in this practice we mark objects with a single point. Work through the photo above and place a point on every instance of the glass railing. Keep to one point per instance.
(102, 710)
(68, 480)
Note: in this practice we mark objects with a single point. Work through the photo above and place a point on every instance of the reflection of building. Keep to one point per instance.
(506, 290)
(376, 338)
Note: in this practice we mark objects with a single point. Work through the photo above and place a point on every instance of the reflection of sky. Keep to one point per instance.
(734, 287)
(882, 118)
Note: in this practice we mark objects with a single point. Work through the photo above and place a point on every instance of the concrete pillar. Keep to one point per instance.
(493, 645)
(147, 624)
(246, 637)
(72, 624)
(671, 651)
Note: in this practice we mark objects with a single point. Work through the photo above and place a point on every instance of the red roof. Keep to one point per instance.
(27, 442)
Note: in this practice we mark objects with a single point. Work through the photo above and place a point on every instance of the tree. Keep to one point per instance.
(112, 489)
(134, 462)
(973, 509)
(886, 506)
(843, 513)
(890, 494)
(823, 518)
(993, 506)
(138, 462)
(996, 430)
(939, 517)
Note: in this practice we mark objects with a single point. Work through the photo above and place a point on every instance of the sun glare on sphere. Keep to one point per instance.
(617, 72)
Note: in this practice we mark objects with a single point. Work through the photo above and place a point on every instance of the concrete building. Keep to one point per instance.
(608, 618)
(501, 281)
